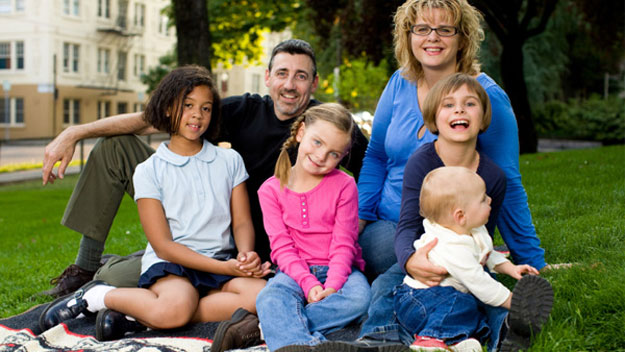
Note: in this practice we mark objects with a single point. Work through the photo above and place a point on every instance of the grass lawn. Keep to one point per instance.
(577, 200)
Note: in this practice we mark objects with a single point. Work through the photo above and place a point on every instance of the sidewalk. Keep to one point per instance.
(32, 152)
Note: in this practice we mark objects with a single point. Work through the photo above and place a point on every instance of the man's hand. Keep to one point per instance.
(419, 267)
(60, 149)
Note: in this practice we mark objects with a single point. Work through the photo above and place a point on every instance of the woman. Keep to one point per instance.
(433, 39)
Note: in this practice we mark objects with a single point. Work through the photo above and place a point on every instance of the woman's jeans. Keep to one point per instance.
(377, 241)
(287, 319)
(441, 312)
(381, 324)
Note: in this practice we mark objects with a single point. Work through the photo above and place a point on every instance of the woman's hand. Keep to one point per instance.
(419, 267)
(361, 225)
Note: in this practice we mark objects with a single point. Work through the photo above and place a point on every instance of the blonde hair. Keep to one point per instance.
(463, 16)
(334, 113)
(444, 190)
(447, 86)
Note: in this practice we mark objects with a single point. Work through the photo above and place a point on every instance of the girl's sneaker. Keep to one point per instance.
(468, 345)
(532, 299)
(426, 343)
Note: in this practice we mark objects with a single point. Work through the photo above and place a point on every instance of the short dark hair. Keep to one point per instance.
(164, 109)
(294, 46)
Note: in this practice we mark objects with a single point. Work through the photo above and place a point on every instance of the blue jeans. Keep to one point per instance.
(378, 247)
(287, 319)
(441, 312)
(381, 324)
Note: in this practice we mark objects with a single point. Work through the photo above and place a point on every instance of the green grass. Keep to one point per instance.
(577, 200)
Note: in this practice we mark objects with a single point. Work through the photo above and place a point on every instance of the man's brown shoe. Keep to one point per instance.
(241, 331)
(72, 278)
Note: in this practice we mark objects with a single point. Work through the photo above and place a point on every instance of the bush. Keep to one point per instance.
(594, 119)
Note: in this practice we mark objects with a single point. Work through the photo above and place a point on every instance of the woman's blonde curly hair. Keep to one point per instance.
(461, 14)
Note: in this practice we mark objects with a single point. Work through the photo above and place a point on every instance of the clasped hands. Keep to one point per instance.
(317, 293)
(249, 264)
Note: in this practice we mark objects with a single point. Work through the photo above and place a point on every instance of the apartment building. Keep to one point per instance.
(65, 62)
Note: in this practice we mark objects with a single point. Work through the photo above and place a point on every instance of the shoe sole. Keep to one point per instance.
(338, 346)
(237, 316)
(532, 300)
(84, 287)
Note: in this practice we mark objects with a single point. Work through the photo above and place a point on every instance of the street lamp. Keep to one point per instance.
(6, 86)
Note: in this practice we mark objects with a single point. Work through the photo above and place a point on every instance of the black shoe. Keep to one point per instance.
(58, 311)
(112, 325)
(72, 278)
(296, 348)
(361, 345)
(241, 331)
(532, 300)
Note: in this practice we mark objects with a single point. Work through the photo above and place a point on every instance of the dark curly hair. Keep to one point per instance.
(164, 109)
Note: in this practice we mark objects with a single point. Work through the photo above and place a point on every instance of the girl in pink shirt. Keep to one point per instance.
(310, 212)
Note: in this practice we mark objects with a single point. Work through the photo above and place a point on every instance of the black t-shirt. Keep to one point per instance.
(250, 125)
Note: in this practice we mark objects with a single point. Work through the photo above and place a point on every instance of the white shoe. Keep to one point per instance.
(468, 345)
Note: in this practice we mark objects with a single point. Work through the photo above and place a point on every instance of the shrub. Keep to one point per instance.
(594, 119)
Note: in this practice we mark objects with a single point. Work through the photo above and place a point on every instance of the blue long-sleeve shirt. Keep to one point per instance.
(398, 119)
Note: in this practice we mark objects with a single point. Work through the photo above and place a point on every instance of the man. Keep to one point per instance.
(255, 126)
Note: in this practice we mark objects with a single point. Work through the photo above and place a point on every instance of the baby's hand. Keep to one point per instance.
(313, 293)
(519, 270)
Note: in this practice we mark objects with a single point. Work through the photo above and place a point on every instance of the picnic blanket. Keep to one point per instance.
(21, 333)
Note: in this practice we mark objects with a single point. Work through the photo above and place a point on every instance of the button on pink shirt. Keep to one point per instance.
(318, 227)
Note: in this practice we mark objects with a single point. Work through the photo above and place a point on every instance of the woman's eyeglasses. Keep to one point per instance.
(424, 29)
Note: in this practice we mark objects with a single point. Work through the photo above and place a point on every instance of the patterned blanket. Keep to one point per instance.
(60, 338)
(21, 333)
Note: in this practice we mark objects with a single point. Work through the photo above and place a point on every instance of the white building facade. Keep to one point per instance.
(90, 52)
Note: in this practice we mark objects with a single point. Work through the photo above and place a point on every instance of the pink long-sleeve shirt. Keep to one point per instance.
(318, 227)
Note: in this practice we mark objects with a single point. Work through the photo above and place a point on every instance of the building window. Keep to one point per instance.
(139, 107)
(71, 7)
(139, 68)
(104, 109)
(122, 108)
(15, 115)
(71, 111)
(103, 60)
(139, 15)
(19, 6)
(5, 6)
(122, 58)
(163, 27)
(5, 55)
(12, 58)
(70, 57)
(104, 8)
(19, 51)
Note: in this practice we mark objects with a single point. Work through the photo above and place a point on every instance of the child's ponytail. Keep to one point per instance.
(282, 170)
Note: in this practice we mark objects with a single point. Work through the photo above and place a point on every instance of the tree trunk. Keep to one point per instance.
(514, 84)
(193, 33)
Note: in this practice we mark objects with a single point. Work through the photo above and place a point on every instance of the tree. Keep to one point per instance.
(221, 31)
(193, 34)
(514, 22)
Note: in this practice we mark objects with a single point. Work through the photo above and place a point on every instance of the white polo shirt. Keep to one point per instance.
(195, 193)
